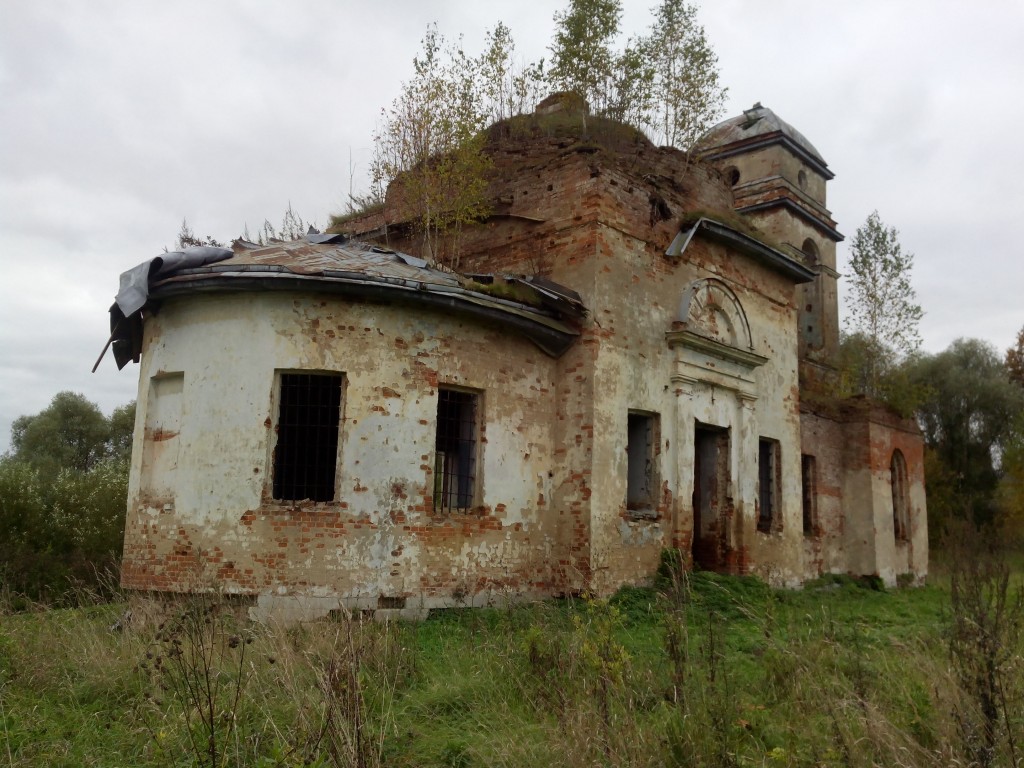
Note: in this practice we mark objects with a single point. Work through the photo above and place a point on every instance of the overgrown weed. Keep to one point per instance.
(199, 676)
(985, 644)
(706, 670)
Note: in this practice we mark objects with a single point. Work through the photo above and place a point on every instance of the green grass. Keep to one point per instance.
(836, 674)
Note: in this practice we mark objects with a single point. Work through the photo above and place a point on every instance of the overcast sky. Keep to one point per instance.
(120, 117)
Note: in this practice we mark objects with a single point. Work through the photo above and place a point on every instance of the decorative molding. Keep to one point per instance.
(741, 357)
(707, 299)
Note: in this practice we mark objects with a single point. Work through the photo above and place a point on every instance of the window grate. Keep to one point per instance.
(809, 488)
(455, 451)
(306, 456)
(769, 479)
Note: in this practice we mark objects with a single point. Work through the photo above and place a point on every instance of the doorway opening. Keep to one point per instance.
(712, 507)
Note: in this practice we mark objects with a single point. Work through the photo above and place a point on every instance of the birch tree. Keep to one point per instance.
(582, 57)
(615, 84)
(666, 82)
(687, 96)
(509, 86)
(432, 136)
(883, 304)
(630, 97)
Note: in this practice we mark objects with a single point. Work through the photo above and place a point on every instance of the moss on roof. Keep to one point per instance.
(593, 131)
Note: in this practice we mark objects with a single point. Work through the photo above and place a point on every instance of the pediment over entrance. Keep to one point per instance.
(712, 339)
(709, 308)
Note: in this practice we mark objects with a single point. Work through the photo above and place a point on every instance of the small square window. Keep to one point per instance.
(641, 483)
(306, 455)
(769, 516)
(455, 451)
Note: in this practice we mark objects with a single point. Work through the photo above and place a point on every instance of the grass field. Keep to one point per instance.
(707, 671)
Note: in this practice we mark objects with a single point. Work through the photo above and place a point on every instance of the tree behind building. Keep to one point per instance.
(63, 490)
(883, 314)
(1015, 360)
(968, 419)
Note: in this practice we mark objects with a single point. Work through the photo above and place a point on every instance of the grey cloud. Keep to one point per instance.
(122, 118)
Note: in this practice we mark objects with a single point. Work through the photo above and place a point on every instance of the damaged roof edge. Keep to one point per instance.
(549, 334)
(334, 264)
(758, 142)
(745, 244)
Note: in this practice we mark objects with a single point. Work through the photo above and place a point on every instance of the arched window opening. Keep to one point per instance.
(733, 175)
(900, 506)
(810, 250)
(801, 180)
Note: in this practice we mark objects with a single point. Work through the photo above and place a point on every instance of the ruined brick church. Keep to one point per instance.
(636, 353)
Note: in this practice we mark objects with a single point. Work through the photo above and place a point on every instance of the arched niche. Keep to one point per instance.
(900, 501)
(710, 309)
(810, 250)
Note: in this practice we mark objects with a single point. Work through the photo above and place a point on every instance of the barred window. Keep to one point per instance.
(306, 456)
(769, 479)
(455, 450)
(809, 483)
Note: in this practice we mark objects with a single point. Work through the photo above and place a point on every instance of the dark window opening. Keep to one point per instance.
(809, 482)
(640, 481)
(810, 250)
(769, 480)
(455, 451)
(898, 480)
(733, 175)
(306, 456)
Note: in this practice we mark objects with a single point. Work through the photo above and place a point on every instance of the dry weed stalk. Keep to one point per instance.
(985, 634)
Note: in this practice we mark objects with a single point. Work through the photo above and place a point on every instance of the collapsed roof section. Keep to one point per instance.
(544, 312)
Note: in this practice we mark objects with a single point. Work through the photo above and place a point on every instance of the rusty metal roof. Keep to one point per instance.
(335, 257)
(336, 260)
(755, 127)
(542, 311)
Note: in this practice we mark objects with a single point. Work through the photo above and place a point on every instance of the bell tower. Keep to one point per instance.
(778, 181)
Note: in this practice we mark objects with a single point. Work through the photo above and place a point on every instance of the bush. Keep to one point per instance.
(58, 540)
